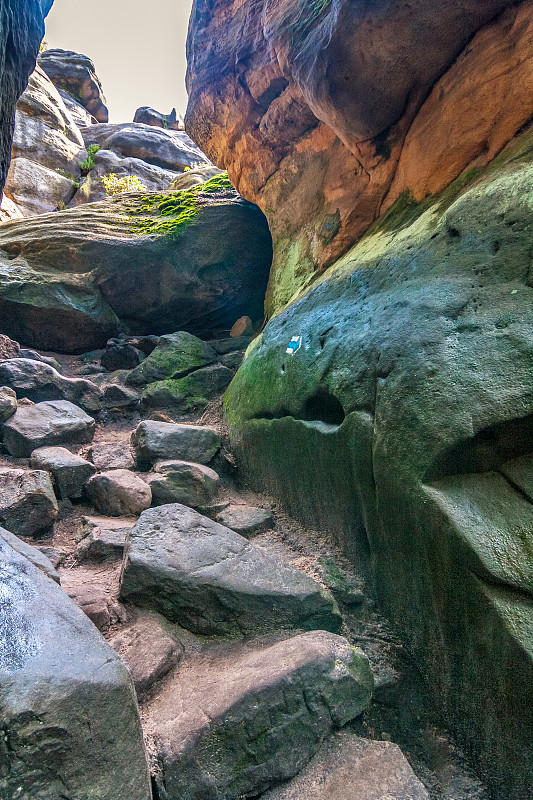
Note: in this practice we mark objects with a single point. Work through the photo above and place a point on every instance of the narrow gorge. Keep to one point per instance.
(266, 410)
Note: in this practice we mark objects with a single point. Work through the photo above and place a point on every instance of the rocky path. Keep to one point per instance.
(259, 661)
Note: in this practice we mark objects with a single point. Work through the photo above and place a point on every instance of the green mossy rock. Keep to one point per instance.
(176, 355)
(401, 418)
(194, 259)
(190, 393)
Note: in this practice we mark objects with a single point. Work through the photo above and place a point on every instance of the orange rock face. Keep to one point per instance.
(325, 111)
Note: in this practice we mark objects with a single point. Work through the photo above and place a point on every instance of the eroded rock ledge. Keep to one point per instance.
(326, 113)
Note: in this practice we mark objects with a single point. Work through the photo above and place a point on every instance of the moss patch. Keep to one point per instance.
(169, 214)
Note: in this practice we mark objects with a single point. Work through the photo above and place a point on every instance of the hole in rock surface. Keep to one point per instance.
(324, 407)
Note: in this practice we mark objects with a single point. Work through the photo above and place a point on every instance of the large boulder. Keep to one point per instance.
(36, 189)
(46, 424)
(338, 100)
(28, 505)
(67, 701)
(213, 581)
(391, 406)
(194, 259)
(39, 381)
(32, 553)
(232, 730)
(74, 73)
(163, 441)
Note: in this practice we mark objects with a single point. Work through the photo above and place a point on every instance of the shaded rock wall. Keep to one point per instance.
(325, 113)
(389, 401)
(22, 29)
(402, 425)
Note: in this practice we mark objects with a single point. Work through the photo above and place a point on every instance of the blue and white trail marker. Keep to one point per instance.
(294, 345)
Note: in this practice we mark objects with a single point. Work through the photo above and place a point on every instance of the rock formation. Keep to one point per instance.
(390, 144)
(22, 29)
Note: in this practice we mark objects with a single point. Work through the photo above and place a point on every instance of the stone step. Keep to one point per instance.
(213, 581)
(232, 724)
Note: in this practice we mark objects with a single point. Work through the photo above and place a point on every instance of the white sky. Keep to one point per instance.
(138, 49)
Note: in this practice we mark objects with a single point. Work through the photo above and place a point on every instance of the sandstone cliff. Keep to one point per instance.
(389, 146)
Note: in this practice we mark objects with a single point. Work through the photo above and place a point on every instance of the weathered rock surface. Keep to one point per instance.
(348, 766)
(398, 423)
(149, 650)
(33, 554)
(8, 348)
(22, 32)
(191, 259)
(311, 127)
(103, 538)
(28, 505)
(163, 441)
(46, 424)
(75, 74)
(60, 679)
(190, 393)
(182, 482)
(213, 581)
(8, 403)
(175, 355)
(119, 493)
(39, 381)
(149, 116)
(167, 149)
(69, 471)
(232, 730)
(47, 150)
(246, 520)
(111, 455)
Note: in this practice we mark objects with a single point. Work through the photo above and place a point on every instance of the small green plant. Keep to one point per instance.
(196, 165)
(68, 175)
(169, 214)
(88, 164)
(129, 183)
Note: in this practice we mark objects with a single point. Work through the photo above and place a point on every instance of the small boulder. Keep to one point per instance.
(213, 581)
(39, 381)
(94, 603)
(246, 520)
(116, 396)
(176, 355)
(190, 393)
(8, 403)
(120, 355)
(119, 493)
(149, 650)
(34, 554)
(163, 441)
(243, 327)
(54, 423)
(28, 505)
(111, 455)
(182, 482)
(232, 360)
(69, 471)
(8, 348)
(234, 730)
(223, 346)
(348, 766)
(103, 539)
